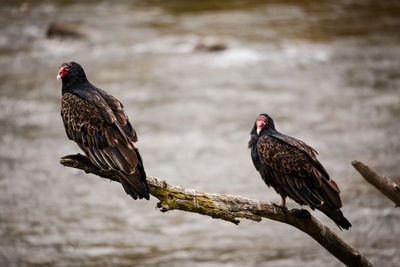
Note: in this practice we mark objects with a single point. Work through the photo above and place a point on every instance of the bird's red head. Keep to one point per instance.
(64, 70)
(261, 121)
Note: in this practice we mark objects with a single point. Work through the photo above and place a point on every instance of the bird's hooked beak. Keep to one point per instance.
(260, 123)
(63, 71)
(258, 130)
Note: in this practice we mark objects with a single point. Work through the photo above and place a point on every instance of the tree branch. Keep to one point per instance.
(232, 208)
(381, 182)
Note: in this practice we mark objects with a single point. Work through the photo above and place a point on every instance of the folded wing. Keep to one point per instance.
(104, 133)
(292, 168)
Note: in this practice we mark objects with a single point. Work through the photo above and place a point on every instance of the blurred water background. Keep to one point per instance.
(328, 72)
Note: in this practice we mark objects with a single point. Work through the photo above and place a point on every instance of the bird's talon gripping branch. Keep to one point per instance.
(281, 204)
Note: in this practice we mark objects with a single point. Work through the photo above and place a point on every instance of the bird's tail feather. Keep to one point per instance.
(135, 185)
(337, 216)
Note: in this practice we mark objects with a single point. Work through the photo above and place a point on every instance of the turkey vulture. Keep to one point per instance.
(291, 167)
(96, 121)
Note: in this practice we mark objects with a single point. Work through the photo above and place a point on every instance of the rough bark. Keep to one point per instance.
(382, 183)
(232, 208)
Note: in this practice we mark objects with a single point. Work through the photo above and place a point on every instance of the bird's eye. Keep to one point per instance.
(66, 69)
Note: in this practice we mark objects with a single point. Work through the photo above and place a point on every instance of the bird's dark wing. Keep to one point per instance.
(254, 153)
(103, 140)
(292, 172)
(308, 150)
(122, 118)
(100, 140)
(92, 96)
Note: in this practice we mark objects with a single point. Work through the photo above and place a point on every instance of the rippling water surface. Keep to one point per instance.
(326, 71)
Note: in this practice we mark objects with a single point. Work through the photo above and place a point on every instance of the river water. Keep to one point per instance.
(328, 72)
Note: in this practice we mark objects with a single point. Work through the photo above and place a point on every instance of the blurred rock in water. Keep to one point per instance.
(210, 44)
(57, 30)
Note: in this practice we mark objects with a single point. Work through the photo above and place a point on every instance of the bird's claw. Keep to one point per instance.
(280, 205)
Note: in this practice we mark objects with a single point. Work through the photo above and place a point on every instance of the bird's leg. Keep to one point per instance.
(282, 204)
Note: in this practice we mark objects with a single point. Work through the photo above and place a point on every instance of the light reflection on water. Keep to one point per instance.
(328, 74)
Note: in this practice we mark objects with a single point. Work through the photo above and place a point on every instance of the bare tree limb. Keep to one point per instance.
(381, 182)
(232, 208)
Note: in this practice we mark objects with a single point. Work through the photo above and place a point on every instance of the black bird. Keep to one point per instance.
(291, 167)
(96, 121)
